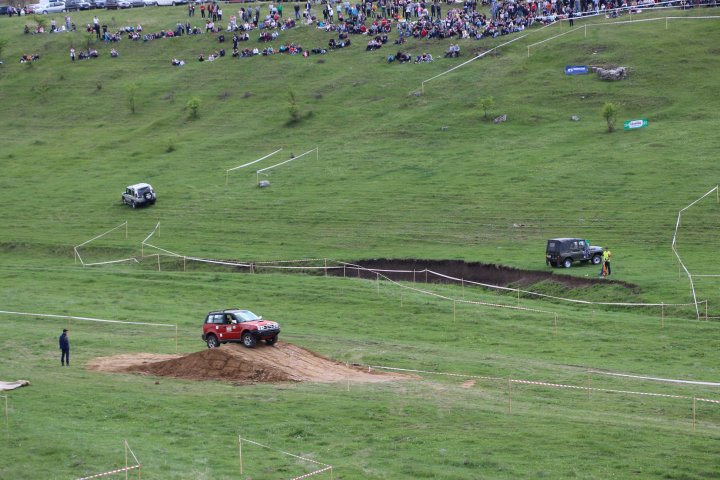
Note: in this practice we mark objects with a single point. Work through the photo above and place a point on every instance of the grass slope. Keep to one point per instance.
(397, 175)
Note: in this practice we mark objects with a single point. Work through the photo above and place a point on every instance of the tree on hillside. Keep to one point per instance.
(609, 113)
(293, 108)
(486, 104)
(193, 105)
(132, 91)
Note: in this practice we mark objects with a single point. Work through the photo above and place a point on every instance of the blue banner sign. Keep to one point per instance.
(576, 70)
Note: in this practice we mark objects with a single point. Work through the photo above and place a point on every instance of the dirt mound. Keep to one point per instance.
(491, 274)
(282, 362)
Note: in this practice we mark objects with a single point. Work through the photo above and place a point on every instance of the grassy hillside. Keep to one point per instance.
(398, 174)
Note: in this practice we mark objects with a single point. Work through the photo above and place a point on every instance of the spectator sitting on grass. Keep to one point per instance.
(29, 58)
(373, 45)
(424, 58)
(402, 57)
(453, 51)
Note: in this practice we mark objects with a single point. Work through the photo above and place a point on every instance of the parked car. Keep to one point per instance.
(97, 3)
(235, 325)
(138, 195)
(566, 251)
(50, 7)
(136, 3)
(74, 5)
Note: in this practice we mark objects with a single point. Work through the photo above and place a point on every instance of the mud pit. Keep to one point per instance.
(413, 270)
(235, 363)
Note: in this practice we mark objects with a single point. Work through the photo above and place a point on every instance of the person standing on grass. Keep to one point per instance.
(64, 348)
(607, 254)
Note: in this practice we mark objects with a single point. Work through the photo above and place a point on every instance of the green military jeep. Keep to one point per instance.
(566, 251)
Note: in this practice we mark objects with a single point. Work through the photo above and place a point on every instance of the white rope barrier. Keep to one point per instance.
(87, 319)
(111, 472)
(422, 85)
(172, 254)
(325, 466)
(316, 149)
(120, 470)
(219, 262)
(254, 161)
(381, 272)
(307, 475)
(77, 252)
(656, 379)
(621, 22)
(549, 384)
(553, 37)
(157, 225)
(102, 234)
(455, 300)
(677, 255)
(572, 300)
(129, 259)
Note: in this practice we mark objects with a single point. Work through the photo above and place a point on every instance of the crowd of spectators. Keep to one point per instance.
(377, 19)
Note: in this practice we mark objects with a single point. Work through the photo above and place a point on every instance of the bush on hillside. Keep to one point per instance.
(609, 113)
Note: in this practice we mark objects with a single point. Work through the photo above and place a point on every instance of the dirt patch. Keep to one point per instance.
(282, 362)
(414, 271)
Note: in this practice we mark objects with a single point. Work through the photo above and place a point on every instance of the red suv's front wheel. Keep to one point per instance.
(248, 340)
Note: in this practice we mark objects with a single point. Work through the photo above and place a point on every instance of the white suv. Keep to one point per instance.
(138, 195)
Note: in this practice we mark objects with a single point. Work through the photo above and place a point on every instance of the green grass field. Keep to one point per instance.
(398, 174)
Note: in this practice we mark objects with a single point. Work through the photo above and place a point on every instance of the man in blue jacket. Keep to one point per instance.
(64, 348)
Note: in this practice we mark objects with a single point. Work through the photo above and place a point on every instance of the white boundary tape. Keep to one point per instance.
(548, 384)
(82, 262)
(111, 472)
(457, 300)
(87, 319)
(254, 161)
(120, 470)
(312, 473)
(716, 189)
(572, 300)
(422, 84)
(258, 172)
(656, 379)
(340, 264)
(325, 466)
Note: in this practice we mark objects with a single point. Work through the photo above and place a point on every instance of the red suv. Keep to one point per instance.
(238, 326)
